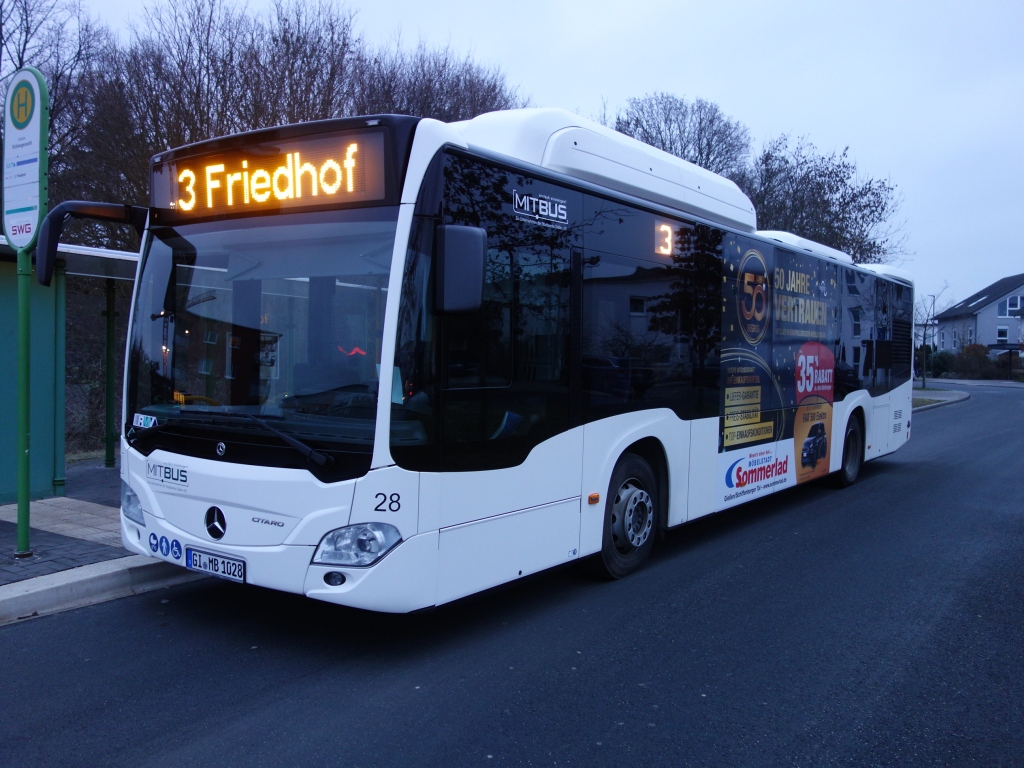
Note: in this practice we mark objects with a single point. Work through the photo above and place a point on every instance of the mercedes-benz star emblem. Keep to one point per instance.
(221, 449)
(216, 525)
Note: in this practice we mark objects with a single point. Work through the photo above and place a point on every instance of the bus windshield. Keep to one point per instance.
(277, 317)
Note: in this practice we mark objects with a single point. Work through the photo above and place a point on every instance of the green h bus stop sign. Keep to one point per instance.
(26, 130)
(26, 135)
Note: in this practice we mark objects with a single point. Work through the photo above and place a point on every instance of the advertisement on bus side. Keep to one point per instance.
(749, 473)
(779, 325)
(805, 322)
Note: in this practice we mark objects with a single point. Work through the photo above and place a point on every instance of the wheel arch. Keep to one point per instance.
(857, 413)
(658, 436)
(840, 478)
(854, 406)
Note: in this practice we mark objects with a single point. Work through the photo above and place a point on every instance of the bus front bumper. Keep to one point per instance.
(403, 580)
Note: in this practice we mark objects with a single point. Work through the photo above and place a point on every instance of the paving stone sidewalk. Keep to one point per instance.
(51, 552)
(81, 528)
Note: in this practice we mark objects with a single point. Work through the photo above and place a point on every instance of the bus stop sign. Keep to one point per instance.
(26, 128)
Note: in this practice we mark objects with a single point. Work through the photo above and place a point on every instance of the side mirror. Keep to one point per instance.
(53, 227)
(461, 255)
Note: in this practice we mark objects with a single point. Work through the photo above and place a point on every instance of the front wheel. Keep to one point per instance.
(630, 517)
(853, 454)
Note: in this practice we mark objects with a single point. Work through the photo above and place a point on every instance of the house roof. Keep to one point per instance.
(978, 301)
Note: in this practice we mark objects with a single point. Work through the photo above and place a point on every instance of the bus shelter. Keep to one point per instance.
(47, 363)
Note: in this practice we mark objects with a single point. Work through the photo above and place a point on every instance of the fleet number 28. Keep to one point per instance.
(386, 503)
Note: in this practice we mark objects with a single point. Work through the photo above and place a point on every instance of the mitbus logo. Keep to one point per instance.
(741, 476)
(167, 474)
(541, 207)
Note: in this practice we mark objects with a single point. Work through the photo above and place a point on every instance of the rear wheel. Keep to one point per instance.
(853, 453)
(630, 517)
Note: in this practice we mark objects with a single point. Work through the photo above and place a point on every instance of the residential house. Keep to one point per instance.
(991, 317)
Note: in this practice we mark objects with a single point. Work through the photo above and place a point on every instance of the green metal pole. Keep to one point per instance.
(59, 375)
(24, 331)
(108, 460)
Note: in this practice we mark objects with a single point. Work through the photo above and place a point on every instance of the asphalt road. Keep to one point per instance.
(878, 625)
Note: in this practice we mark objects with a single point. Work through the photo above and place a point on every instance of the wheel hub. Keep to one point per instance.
(632, 517)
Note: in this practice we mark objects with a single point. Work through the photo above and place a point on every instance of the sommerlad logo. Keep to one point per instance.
(171, 476)
(541, 209)
(740, 477)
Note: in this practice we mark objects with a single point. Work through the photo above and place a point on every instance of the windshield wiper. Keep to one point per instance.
(310, 454)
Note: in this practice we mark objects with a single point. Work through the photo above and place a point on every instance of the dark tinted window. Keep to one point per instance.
(856, 335)
(902, 333)
(413, 420)
(502, 374)
(881, 380)
(611, 226)
(651, 320)
(480, 345)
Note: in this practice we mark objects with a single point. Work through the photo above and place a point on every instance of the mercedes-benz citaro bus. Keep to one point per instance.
(388, 362)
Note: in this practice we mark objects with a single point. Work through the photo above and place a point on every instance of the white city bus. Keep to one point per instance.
(389, 362)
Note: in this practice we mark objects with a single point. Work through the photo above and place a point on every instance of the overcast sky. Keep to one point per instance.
(928, 94)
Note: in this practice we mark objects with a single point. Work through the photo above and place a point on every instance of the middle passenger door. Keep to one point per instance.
(508, 490)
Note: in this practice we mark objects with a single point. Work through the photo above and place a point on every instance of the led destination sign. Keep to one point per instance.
(274, 176)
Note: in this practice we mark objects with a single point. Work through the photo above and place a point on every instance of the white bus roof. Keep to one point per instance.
(887, 270)
(803, 244)
(570, 144)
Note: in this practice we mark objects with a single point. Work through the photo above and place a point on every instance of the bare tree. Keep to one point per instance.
(824, 198)
(187, 70)
(696, 131)
(197, 69)
(28, 27)
(429, 82)
(66, 45)
(300, 64)
(59, 39)
(926, 307)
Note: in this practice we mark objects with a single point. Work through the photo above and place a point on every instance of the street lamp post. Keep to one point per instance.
(924, 342)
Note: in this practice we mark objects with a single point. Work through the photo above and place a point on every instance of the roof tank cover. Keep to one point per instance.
(567, 143)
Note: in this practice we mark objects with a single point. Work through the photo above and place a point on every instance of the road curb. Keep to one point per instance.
(941, 403)
(88, 585)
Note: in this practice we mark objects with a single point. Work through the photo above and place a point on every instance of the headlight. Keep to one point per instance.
(362, 544)
(130, 504)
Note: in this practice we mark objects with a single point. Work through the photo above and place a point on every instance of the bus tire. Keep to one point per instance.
(853, 454)
(630, 518)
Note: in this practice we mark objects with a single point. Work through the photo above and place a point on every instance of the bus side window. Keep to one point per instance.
(479, 348)
(902, 334)
(413, 421)
(651, 315)
(502, 377)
